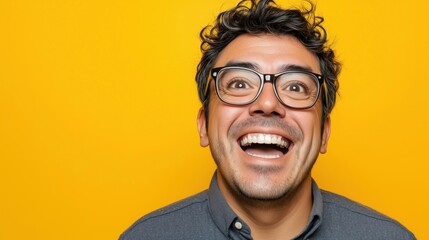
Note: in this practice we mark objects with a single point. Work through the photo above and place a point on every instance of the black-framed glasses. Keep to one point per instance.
(242, 86)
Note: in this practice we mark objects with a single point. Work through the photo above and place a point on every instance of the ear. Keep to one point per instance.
(202, 128)
(325, 134)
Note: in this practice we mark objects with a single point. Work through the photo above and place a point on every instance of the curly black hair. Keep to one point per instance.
(265, 17)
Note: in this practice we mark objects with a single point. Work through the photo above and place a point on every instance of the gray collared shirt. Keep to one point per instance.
(208, 216)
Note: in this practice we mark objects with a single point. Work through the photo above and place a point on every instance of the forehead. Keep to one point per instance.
(270, 53)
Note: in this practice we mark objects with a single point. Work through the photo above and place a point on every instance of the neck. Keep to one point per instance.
(279, 219)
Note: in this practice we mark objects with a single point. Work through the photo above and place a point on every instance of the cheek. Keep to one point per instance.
(222, 117)
(310, 124)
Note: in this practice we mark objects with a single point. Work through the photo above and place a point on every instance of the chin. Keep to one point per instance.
(269, 184)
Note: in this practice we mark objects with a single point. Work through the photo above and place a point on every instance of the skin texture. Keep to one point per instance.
(272, 195)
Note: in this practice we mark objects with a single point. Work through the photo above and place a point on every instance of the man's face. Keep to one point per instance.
(264, 170)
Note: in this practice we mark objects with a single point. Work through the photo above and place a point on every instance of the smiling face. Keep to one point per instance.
(263, 150)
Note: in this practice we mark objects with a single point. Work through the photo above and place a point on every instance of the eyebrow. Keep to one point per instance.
(294, 67)
(249, 65)
(256, 67)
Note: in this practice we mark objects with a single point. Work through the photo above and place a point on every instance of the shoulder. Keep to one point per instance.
(347, 217)
(165, 223)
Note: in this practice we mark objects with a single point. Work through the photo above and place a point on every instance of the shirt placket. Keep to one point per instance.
(239, 231)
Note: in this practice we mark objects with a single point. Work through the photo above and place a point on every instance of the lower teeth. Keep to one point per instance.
(264, 156)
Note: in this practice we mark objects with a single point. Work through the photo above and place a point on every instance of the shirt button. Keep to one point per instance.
(238, 225)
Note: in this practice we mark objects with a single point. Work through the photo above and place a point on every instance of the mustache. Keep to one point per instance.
(266, 122)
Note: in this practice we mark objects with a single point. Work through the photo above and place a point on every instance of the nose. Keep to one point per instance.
(267, 103)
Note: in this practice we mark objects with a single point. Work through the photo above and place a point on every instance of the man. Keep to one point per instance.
(268, 82)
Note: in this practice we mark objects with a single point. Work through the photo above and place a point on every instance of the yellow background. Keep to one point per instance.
(98, 111)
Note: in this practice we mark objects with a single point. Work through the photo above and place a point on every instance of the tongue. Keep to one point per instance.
(264, 151)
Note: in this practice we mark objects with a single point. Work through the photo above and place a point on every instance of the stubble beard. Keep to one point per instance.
(266, 185)
(262, 187)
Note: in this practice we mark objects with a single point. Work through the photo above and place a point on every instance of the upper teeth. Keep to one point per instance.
(261, 138)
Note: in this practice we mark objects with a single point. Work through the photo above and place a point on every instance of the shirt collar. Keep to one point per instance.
(316, 213)
(222, 214)
(224, 217)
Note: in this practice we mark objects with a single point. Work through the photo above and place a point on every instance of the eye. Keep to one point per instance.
(238, 84)
(297, 87)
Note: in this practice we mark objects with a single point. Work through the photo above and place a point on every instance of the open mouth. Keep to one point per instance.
(262, 145)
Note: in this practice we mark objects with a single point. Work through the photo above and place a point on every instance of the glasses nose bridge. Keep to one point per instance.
(267, 101)
(268, 78)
